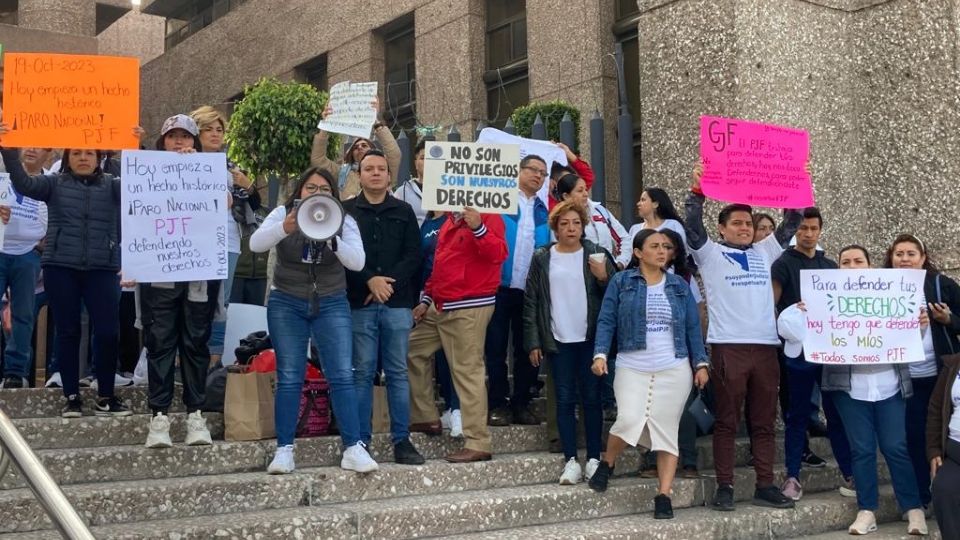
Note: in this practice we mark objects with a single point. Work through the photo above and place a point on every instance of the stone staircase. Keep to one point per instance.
(125, 491)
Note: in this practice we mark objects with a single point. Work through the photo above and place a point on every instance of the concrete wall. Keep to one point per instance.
(875, 83)
(134, 34)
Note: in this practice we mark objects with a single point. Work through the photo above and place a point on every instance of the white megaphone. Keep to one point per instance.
(320, 217)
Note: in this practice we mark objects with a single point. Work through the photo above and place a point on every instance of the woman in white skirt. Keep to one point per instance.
(655, 318)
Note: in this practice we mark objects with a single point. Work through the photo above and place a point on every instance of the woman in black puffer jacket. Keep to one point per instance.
(80, 263)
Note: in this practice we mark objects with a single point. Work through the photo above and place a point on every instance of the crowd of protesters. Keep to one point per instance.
(628, 326)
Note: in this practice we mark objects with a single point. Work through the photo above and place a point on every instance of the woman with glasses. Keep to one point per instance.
(309, 300)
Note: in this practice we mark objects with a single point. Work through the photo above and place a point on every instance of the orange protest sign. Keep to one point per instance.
(71, 101)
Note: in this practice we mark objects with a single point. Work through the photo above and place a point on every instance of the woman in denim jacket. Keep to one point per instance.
(658, 333)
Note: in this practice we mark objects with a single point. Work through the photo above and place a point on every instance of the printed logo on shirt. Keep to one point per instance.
(26, 208)
(739, 258)
(312, 253)
(752, 270)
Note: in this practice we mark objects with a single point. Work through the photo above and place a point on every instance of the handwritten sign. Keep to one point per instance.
(758, 164)
(71, 101)
(862, 316)
(352, 113)
(6, 194)
(483, 176)
(174, 216)
(550, 152)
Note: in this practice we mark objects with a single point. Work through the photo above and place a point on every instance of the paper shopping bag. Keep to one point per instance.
(248, 406)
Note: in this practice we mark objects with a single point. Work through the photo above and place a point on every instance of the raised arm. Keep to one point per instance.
(391, 150)
(38, 187)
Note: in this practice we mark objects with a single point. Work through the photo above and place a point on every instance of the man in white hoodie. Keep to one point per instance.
(20, 268)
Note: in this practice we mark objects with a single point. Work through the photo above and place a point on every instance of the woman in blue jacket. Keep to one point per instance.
(658, 333)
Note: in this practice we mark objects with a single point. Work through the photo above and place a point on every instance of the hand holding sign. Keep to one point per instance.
(351, 110)
(751, 163)
(479, 176)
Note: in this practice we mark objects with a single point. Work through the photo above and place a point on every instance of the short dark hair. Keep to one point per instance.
(852, 247)
(731, 208)
(298, 185)
(532, 157)
(419, 147)
(374, 152)
(558, 169)
(812, 212)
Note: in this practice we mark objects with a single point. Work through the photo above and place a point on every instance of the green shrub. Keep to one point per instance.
(552, 113)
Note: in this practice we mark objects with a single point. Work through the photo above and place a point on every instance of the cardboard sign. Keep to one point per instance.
(71, 101)
(550, 152)
(862, 316)
(483, 176)
(174, 216)
(757, 164)
(352, 113)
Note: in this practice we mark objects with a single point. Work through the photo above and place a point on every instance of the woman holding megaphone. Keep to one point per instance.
(307, 300)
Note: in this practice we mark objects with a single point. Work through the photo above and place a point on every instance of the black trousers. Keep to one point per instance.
(174, 325)
(507, 323)
(129, 334)
(946, 491)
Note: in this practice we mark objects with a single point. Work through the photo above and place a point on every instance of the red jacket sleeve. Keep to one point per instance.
(490, 239)
(584, 171)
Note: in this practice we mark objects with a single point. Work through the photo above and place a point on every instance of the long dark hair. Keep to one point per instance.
(638, 240)
(679, 262)
(665, 208)
(565, 185)
(928, 264)
(298, 185)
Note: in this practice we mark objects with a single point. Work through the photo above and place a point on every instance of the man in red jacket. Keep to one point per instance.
(457, 304)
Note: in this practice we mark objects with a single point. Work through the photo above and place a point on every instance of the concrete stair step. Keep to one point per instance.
(893, 530)
(814, 514)
(94, 431)
(380, 505)
(47, 402)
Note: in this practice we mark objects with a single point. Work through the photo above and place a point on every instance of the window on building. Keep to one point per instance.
(195, 16)
(400, 93)
(314, 72)
(625, 32)
(8, 11)
(506, 76)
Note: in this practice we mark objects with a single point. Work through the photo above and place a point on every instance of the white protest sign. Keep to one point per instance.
(862, 316)
(547, 150)
(352, 112)
(459, 174)
(6, 194)
(173, 216)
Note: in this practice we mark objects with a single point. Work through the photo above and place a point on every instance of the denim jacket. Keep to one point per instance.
(624, 311)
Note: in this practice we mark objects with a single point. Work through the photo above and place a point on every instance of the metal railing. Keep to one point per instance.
(13, 448)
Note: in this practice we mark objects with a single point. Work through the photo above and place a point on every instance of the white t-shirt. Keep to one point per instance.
(626, 246)
(928, 367)
(524, 243)
(660, 353)
(28, 224)
(954, 425)
(598, 227)
(873, 383)
(739, 293)
(568, 296)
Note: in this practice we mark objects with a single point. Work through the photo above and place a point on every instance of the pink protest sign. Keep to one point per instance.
(753, 163)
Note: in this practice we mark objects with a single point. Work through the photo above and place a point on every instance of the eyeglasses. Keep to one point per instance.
(313, 188)
(539, 172)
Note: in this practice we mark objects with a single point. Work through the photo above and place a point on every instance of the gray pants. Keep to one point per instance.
(946, 492)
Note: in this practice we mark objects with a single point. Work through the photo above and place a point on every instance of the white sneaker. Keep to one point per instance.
(572, 473)
(865, 523)
(54, 381)
(445, 419)
(197, 432)
(118, 380)
(590, 468)
(917, 522)
(357, 459)
(456, 424)
(282, 461)
(159, 436)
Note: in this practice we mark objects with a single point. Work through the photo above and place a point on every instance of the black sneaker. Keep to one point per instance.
(771, 497)
(111, 406)
(501, 416)
(14, 382)
(73, 408)
(404, 453)
(598, 482)
(662, 509)
(723, 500)
(813, 461)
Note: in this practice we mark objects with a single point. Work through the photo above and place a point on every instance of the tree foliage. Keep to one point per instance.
(272, 128)
(552, 113)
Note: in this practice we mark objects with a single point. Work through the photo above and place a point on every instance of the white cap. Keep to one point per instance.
(792, 326)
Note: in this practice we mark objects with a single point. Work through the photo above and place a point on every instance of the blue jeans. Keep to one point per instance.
(218, 330)
(916, 417)
(571, 374)
(803, 377)
(382, 332)
(445, 379)
(869, 423)
(291, 326)
(19, 273)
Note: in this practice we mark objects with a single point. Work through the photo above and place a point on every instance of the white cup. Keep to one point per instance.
(597, 257)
